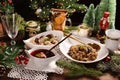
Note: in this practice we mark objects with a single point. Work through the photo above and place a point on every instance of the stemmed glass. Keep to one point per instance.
(10, 23)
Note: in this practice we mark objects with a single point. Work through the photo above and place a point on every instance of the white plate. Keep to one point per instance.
(57, 33)
(65, 45)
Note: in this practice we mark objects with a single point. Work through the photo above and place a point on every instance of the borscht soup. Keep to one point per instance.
(42, 53)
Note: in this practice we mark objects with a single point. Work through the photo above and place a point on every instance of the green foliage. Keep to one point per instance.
(22, 22)
(76, 69)
(97, 19)
(7, 57)
(43, 27)
(101, 8)
(112, 10)
(89, 18)
(69, 29)
(46, 5)
(105, 5)
(6, 6)
(113, 64)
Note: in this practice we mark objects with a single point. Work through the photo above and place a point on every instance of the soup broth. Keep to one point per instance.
(42, 53)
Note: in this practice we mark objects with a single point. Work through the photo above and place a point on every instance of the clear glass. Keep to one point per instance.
(10, 23)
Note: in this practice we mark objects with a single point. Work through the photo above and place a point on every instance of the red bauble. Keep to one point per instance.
(108, 58)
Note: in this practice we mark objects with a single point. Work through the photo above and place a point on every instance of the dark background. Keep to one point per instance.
(22, 7)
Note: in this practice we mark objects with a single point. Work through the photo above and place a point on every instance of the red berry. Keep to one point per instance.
(27, 59)
(22, 57)
(26, 62)
(16, 58)
(3, 3)
(10, 1)
(19, 62)
(108, 58)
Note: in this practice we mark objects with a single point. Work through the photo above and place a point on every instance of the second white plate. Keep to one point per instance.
(65, 46)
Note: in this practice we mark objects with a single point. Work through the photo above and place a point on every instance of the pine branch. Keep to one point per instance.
(77, 69)
(113, 64)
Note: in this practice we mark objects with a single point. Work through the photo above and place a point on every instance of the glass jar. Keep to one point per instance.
(32, 28)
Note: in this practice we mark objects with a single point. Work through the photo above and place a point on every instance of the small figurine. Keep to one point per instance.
(104, 24)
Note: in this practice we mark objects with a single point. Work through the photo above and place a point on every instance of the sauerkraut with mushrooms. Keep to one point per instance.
(83, 52)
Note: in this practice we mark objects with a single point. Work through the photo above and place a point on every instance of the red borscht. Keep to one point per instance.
(42, 53)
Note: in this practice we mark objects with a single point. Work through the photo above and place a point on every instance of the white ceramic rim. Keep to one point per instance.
(107, 32)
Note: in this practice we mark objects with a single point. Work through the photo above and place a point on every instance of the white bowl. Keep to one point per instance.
(30, 44)
(65, 46)
(42, 64)
(112, 41)
(113, 33)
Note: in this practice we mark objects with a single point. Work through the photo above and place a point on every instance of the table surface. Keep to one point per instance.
(54, 76)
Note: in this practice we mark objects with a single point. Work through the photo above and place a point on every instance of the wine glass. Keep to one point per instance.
(10, 23)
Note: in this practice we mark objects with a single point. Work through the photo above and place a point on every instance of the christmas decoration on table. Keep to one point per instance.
(113, 64)
(75, 69)
(21, 59)
(97, 13)
(104, 24)
(106, 5)
(6, 6)
(7, 55)
(89, 18)
(110, 64)
(43, 7)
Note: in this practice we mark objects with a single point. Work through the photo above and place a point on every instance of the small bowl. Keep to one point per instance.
(42, 64)
(112, 41)
(113, 33)
(31, 41)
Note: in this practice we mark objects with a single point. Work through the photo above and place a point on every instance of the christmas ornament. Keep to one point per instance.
(104, 23)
